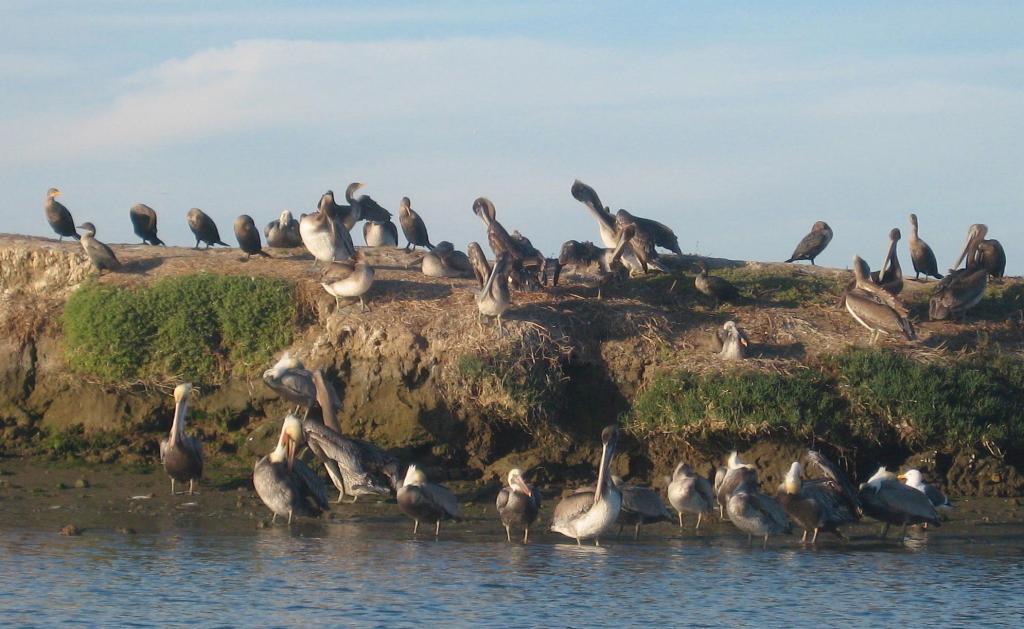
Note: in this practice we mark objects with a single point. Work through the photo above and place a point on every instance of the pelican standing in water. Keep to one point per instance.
(921, 255)
(144, 223)
(689, 492)
(813, 243)
(285, 484)
(640, 505)
(518, 504)
(413, 227)
(589, 514)
(889, 501)
(182, 456)
(873, 307)
(101, 256)
(730, 477)
(356, 280)
(494, 299)
(961, 289)
(203, 228)
(283, 233)
(731, 342)
(58, 216)
(913, 478)
(422, 500)
(291, 380)
(815, 505)
(754, 512)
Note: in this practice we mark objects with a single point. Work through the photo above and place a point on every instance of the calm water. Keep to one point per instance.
(378, 576)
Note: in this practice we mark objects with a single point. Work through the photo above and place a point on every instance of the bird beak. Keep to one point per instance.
(291, 451)
(902, 477)
(743, 341)
(524, 487)
(57, 193)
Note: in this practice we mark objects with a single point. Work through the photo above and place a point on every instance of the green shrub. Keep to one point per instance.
(192, 327)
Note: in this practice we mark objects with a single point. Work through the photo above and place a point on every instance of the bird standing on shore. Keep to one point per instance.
(291, 380)
(494, 299)
(446, 261)
(413, 227)
(640, 505)
(181, 455)
(873, 307)
(886, 499)
(921, 255)
(354, 278)
(323, 233)
(589, 514)
(58, 216)
(913, 478)
(689, 492)
(285, 484)
(518, 504)
(815, 505)
(983, 253)
(283, 233)
(144, 223)
(890, 276)
(813, 243)
(380, 234)
(754, 512)
(248, 237)
(100, 255)
(420, 499)
(203, 228)
(962, 289)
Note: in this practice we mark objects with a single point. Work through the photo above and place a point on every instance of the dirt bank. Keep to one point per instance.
(419, 375)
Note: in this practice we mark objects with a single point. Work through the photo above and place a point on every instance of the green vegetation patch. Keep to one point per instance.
(787, 288)
(194, 327)
(859, 396)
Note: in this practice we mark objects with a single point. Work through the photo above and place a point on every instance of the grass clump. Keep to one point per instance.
(193, 327)
(789, 289)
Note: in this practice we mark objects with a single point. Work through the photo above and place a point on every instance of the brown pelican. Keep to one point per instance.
(323, 233)
(203, 228)
(643, 241)
(961, 289)
(283, 233)
(493, 299)
(689, 492)
(815, 505)
(380, 234)
(144, 223)
(101, 256)
(445, 261)
(181, 455)
(518, 504)
(422, 500)
(875, 308)
(730, 342)
(285, 484)
(640, 505)
(356, 467)
(985, 254)
(754, 512)
(609, 261)
(913, 478)
(890, 277)
(730, 476)
(58, 216)
(721, 472)
(813, 243)
(886, 499)
(292, 381)
(363, 208)
(356, 280)
(589, 514)
(481, 267)
(716, 288)
(501, 242)
(413, 227)
(921, 254)
(248, 237)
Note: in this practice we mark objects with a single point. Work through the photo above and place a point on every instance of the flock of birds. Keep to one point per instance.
(290, 488)
(630, 246)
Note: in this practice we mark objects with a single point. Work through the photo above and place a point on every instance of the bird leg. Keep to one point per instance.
(681, 519)
(803, 539)
(619, 534)
(437, 528)
(190, 491)
(273, 519)
(636, 532)
(765, 545)
(172, 486)
(415, 527)
(814, 539)
(750, 539)
(508, 532)
(885, 530)
(354, 498)
(597, 541)
(526, 535)
(696, 528)
(289, 517)
(362, 305)
(903, 532)
(578, 542)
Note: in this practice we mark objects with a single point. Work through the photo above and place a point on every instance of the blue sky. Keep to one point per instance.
(737, 125)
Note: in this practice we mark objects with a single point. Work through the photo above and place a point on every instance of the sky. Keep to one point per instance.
(737, 124)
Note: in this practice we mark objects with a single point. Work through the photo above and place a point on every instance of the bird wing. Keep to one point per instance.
(832, 471)
(661, 234)
(703, 487)
(443, 497)
(644, 501)
(294, 384)
(770, 507)
(811, 245)
(311, 485)
(392, 230)
(370, 210)
(502, 500)
(572, 506)
(362, 464)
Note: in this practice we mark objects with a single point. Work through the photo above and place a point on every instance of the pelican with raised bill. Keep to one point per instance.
(590, 514)
(494, 299)
(422, 500)
(285, 484)
(518, 504)
(182, 455)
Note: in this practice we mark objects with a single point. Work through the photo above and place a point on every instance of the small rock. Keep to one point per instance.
(125, 530)
(81, 483)
(70, 530)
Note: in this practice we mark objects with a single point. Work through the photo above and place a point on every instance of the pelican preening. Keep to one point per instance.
(420, 499)
(380, 234)
(609, 261)
(249, 237)
(730, 342)
(144, 223)
(355, 280)
(640, 505)
(521, 255)
(100, 255)
(494, 299)
(58, 216)
(589, 514)
(962, 289)
(285, 484)
(689, 492)
(413, 227)
(815, 505)
(813, 243)
(356, 467)
(291, 380)
(283, 233)
(518, 504)
(921, 255)
(982, 253)
(875, 308)
(886, 499)
(203, 228)
(727, 479)
(754, 512)
(477, 259)
(914, 478)
(445, 260)
(890, 276)
(181, 455)
(324, 234)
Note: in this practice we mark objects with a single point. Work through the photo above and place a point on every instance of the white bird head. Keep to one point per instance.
(181, 392)
(516, 482)
(792, 480)
(414, 476)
